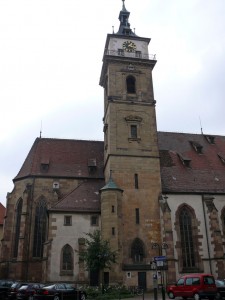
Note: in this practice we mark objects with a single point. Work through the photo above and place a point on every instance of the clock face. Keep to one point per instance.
(129, 46)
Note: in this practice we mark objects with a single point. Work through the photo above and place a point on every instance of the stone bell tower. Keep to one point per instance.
(129, 201)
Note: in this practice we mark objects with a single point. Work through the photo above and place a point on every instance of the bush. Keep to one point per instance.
(108, 292)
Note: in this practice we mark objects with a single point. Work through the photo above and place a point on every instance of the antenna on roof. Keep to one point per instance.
(41, 130)
(200, 125)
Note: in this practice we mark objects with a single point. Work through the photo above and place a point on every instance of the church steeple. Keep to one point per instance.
(124, 28)
(129, 206)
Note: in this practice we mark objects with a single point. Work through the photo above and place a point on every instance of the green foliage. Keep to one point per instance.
(110, 292)
(97, 254)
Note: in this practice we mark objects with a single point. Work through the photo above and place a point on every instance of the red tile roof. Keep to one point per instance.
(85, 198)
(66, 158)
(206, 173)
(69, 158)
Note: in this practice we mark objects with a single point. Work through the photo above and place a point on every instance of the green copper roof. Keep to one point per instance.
(111, 185)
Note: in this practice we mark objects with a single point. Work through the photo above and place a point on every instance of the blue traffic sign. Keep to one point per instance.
(159, 258)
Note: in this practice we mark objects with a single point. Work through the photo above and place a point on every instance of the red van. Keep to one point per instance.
(195, 286)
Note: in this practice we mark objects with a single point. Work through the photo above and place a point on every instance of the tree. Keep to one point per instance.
(97, 254)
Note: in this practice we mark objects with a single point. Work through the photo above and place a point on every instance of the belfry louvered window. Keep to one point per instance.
(40, 228)
(187, 245)
(17, 227)
(131, 89)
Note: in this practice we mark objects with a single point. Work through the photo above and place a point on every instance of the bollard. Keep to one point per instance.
(155, 283)
(163, 293)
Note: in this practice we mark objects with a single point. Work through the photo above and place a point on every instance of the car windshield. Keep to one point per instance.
(209, 280)
(6, 283)
(49, 287)
(23, 287)
(60, 286)
(180, 281)
(69, 286)
(220, 283)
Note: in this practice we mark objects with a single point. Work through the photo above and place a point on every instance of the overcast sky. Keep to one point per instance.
(50, 63)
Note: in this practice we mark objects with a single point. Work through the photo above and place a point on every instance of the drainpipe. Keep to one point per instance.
(206, 233)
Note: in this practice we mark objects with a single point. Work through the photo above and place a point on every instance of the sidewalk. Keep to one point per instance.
(150, 296)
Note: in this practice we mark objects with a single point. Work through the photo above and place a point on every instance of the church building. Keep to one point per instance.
(158, 197)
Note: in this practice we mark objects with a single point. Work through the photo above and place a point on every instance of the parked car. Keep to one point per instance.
(14, 288)
(220, 284)
(26, 291)
(195, 286)
(59, 291)
(4, 288)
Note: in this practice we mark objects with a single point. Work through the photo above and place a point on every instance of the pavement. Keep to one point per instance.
(150, 296)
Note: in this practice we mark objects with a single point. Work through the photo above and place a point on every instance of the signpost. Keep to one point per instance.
(160, 262)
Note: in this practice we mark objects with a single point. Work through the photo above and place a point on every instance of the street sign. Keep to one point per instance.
(160, 263)
(159, 258)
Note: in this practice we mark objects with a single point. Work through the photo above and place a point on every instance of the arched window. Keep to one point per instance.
(131, 89)
(223, 219)
(67, 258)
(186, 235)
(40, 227)
(137, 250)
(17, 227)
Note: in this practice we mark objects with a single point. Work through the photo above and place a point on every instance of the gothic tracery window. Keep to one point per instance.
(17, 227)
(40, 227)
(137, 251)
(67, 258)
(186, 234)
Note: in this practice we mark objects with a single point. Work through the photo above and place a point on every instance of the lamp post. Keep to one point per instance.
(161, 263)
(160, 247)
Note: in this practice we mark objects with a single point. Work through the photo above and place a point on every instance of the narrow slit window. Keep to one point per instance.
(133, 131)
(113, 230)
(137, 215)
(136, 181)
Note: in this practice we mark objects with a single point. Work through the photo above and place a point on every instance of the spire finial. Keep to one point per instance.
(124, 28)
(41, 130)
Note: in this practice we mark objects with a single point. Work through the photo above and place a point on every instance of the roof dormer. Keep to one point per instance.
(92, 165)
(185, 161)
(197, 147)
(210, 139)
